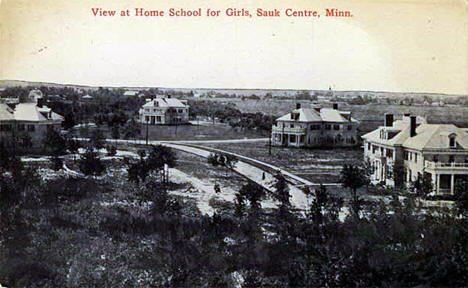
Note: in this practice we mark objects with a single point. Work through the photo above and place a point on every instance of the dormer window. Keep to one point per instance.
(452, 141)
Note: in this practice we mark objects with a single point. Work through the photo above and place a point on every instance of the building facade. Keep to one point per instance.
(413, 148)
(315, 127)
(26, 124)
(164, 111)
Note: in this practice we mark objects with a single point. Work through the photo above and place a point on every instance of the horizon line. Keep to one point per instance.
(229, 88)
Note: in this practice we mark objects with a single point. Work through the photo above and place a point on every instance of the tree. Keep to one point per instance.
(57, 163)
(6, 156)
(90, 163)
(282, 189)
(115, 131)
(55, 143)
(131, 129)
(69, 120)
(97, 140)
(73, 145)
(253, 193)
(368, 170)
(217, 188)
(319, 202)
(111, 150)
(353, 177)
(158, 157)
(423, 185)
(461, 196)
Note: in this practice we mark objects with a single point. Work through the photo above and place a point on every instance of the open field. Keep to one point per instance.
(316, 165)
(198, 132)
(371, 115)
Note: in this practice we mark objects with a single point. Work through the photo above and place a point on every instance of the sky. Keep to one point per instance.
(388, 45)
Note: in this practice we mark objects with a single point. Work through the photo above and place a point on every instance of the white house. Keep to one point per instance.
(315, 127)
(415, 148)
(27, 123)
(164, 110)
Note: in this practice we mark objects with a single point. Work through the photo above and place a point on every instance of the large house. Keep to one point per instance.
(26, 124)
(417, 149)
(164, 110)
(315, 127)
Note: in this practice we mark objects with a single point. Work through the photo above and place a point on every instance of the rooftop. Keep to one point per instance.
(165, 102)
(28, 112)
(428, 136)
(318, 115)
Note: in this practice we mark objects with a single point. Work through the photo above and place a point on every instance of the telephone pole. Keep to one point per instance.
(147, 124)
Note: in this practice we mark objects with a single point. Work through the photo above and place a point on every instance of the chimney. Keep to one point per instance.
(412, 126)
(298, 105)
(335, 106)
(388, 120)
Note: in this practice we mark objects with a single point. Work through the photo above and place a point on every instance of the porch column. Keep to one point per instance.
(452, 184)
(437, 183)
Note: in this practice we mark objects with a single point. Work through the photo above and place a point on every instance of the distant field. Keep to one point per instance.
(370, 115)
(316, 165)
(197, 132)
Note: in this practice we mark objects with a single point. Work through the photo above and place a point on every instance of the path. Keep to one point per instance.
(243, 167)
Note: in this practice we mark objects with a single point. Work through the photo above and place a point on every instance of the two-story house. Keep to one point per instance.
(26, 124)
(414, 148)
(164, 110)
(315, 127)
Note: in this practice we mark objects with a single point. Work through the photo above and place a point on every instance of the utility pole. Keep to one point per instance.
(147, 124)
(271, 132)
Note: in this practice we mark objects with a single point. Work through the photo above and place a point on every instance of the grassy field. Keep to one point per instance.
(316, 165)
(198, 132)
(371, 115)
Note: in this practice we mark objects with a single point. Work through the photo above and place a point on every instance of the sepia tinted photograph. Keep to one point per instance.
(233, 144)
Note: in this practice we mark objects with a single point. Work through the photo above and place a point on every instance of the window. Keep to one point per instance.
(451, 159)
(302, 139)
(292, 138)
(327, 127)
(453, 143)
(389, 153)
(31, 128)
(5, 127)
(406, 155)
(435, 158)
(415, 157)
(21, 127)
(350, 127)
(336, 127)
(368, 146)
(158, 119)
(291, 125)
(146, 118)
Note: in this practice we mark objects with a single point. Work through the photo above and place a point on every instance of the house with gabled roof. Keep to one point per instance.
(164, 110)
(315, 127)
(417, 149)
(27, 123)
